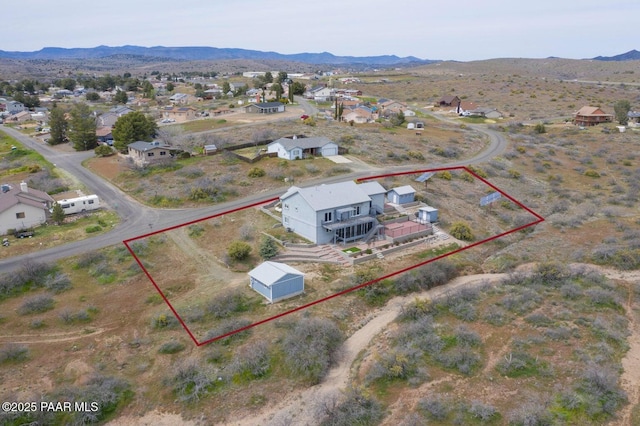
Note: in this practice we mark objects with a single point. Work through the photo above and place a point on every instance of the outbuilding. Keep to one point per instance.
(402, 195)
(276, 281)
(427, 214)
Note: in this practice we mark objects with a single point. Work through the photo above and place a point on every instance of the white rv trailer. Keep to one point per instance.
(80, 204)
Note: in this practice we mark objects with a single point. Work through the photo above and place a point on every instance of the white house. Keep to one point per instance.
(14, 107)
(339, 212)
(276, 281)
(23, 207)
(293, 148)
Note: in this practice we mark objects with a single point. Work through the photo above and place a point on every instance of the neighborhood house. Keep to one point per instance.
(276, 281)
(23, 207)
(591, 116)
(265, 108)
(145, 153)
(297, 148)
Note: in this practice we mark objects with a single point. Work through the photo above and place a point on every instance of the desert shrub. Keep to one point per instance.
(467, 337)
(104, 150)
(312, 168)
(12, 352)
(592, 173)
(238, 250)
(231, 325)
(69, 317)
(191, 381)
(195, 230)
(247, 232)
(603, 298)
(461, 358)
(310, 348)
(600, 393)
(524, 301)
(445, 175)
(495, 315)
(393, 365)
(530, 413)
(461, 231)
(356, 409)
(57, 282)
(164, 321)
(560, 333)
(256, 172)
(89, 258)
(171, 347)
(483, 412)
(190, 172)
(540, 128)
(36, 304)
(31, 274)
(571, 291)
(464, 310)
(227, 304)
(251, 361)
(520, 364)
(436, 407)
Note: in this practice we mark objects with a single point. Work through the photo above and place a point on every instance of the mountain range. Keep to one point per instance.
(632, 55)
(191, 53)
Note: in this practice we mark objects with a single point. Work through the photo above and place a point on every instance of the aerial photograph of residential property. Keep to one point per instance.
(335, 214)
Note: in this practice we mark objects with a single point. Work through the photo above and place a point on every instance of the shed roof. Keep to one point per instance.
(372, 188)
(404, 190)
(269, 273)
(146, 146)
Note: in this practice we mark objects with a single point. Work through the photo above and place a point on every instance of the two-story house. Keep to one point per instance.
(332, 213)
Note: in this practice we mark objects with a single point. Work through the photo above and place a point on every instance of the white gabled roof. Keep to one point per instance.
(404, 190)
(269, 273)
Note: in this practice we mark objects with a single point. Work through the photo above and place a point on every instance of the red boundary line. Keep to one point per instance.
(299, 308)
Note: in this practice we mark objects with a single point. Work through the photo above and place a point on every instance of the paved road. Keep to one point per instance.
(137, 219)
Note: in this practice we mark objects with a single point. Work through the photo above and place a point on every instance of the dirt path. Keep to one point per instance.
(52, 337)
(301, 409)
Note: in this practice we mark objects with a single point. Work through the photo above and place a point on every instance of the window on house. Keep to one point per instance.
(357, 211)
(286, 206)
(150, 154)
(286, 219)
(163, 152)
(328, 216)
(20, 215)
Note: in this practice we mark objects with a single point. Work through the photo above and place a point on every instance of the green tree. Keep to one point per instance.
(103, 150)
(398, 119)
(238, 250)
(82, 128)
(282, 77)
(297, 88)
(268, 77)
(621, 109)
(57, 214)
(121, 97)
(226, 87)
(59, 125)
(170, 87)
(277, 87)
(540, 128)
(147, 90)
(461, 231)
(92, 96)
(133, 127)
(268, 248)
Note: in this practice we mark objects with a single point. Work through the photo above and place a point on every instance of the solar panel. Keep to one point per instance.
(488, 199)
(424, 177)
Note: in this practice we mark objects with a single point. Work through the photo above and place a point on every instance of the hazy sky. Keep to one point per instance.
(461, 30)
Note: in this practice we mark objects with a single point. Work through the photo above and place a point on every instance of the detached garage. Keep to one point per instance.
(293, 148)
(276, 281)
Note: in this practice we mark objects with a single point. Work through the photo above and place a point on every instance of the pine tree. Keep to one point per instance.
(59, 125)
(57, 214)
(82, 128)
(268, 248)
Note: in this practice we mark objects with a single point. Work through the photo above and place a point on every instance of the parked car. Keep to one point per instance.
(25, 233)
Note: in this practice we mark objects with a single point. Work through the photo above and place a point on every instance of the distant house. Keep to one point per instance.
(20, 117)
(22, 207)
(293, 148)
(402, 195)
(14, 107)
(332, 213)
(359, 114)
(265, 108)
(320, 93)
(634, 118)
(391, 107)
(465, 107)
(179, 114)
(276, 281)
(147, 153)
(103, 135)
(179, 98)
(591, 116)
(109, 118)
(486, 113)
(448, 101)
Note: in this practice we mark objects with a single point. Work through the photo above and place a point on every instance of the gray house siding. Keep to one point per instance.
(276, 281)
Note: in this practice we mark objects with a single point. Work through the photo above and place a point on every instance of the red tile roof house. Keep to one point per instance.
(23, 207)
(591, 116)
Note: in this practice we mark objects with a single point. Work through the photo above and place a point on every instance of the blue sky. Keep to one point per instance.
(461, 30)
